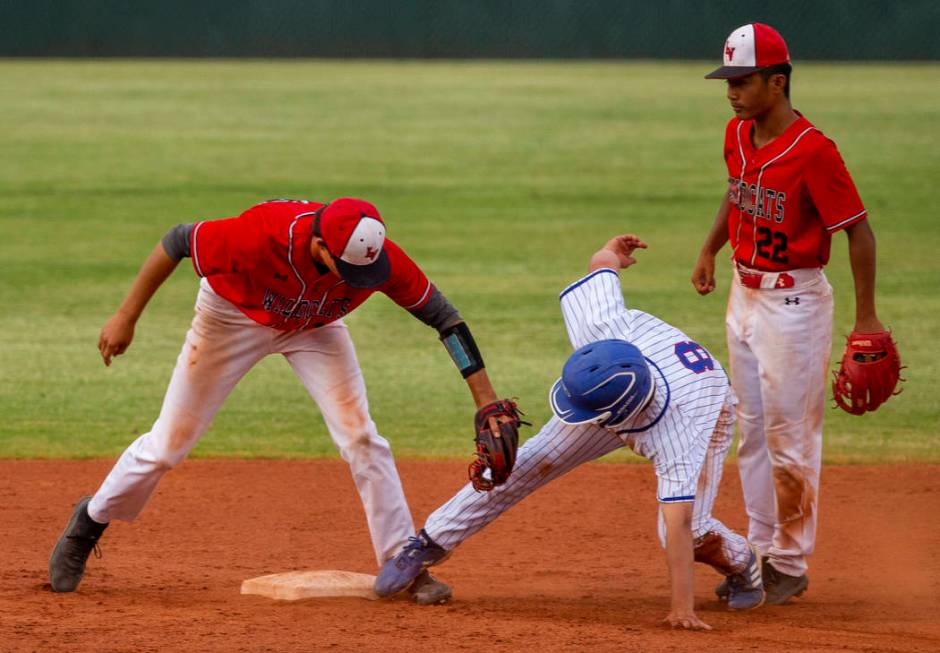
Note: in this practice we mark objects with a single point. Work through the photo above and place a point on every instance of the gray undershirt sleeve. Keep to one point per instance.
(176, 241)
(437, 312)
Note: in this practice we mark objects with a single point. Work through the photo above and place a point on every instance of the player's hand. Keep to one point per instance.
(496, 440)
(687, 620)
(116, 336)
(703, 276)
(617, 253)
(623, 247)
(495, 422)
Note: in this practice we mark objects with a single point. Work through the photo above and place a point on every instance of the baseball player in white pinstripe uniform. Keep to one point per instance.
(636, 381)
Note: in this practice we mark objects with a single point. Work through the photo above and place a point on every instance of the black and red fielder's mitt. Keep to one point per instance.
(869, 372)
(497, 438)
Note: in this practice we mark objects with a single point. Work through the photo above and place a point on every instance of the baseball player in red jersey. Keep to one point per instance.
(277, 279)
(788, 192)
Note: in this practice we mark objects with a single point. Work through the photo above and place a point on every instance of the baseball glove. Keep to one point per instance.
(497, 438)
(869, 372)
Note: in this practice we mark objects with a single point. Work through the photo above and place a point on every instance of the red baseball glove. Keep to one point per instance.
(497, 438)
(869, 372)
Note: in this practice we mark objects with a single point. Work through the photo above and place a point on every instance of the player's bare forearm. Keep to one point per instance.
(703, 275)
(155, 270)
(680, 558)
(718, 234)
(481, 388)
(862, 259)
(679, 555)
(118, 331)
(617, 253)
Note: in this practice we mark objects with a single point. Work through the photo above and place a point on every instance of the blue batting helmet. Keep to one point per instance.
(605, 382)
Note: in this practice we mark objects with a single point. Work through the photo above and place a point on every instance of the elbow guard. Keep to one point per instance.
(462, 349)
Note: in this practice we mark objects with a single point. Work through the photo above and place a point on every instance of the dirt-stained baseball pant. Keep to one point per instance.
(221, 346)
(556, 450)
(779, 343)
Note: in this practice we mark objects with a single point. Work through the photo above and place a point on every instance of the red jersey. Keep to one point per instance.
(260, 261)
(787, 197)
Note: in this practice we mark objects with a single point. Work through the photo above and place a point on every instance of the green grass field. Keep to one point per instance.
(498, 178)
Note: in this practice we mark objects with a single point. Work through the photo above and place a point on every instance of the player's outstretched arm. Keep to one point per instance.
(496, 422)
(118, 332)
(680, 558)
(617, 253)
(440, 314)
(703, 275)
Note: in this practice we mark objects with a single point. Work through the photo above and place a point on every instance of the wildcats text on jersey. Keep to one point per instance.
(759, 201)
(304, 309)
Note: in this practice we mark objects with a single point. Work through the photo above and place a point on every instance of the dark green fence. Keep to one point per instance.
(671, 29)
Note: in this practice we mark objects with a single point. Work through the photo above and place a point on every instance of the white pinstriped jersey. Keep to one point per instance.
(685, 432)
(691, 386)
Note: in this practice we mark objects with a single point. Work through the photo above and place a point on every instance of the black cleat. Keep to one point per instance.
(781, 587)
(78, 540)
(427, 590)
(722, 590)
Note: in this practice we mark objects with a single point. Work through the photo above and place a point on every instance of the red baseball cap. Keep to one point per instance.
(355, 235)
(750, 48)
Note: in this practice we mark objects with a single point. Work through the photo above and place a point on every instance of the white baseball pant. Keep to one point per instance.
(779, 343)
(221, 346)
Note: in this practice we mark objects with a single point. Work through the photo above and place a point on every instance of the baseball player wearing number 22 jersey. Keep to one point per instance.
(277, 279)
(634, 381)
(788, 192)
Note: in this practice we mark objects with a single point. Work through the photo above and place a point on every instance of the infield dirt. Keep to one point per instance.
(576, 566)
